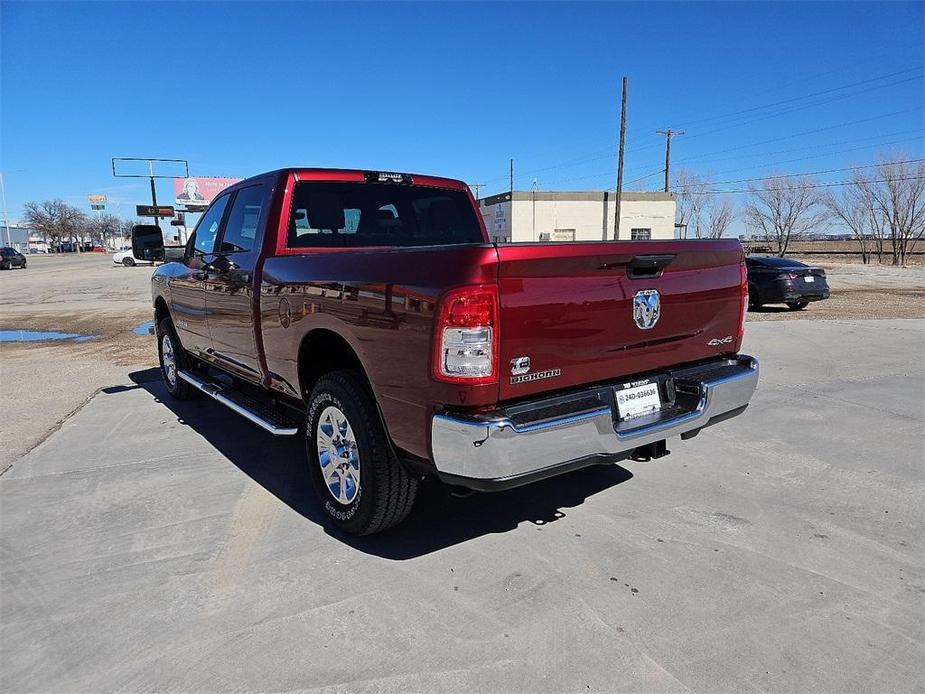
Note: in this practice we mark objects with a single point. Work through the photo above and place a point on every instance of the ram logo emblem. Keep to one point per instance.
(646, 308)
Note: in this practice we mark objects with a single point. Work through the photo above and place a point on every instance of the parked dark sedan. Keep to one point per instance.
(774, 280)
(10, 258)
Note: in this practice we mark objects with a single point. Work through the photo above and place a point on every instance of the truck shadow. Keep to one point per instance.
(439, 518)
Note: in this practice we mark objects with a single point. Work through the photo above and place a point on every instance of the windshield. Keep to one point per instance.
(380, 214)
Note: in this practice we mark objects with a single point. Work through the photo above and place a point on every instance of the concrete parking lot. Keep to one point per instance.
(150, 545)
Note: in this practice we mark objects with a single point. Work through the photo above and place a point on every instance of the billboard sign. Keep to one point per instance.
(199, 191)
(97, 202)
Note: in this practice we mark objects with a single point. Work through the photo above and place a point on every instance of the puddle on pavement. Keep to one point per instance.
(145, 328)
(41, 336)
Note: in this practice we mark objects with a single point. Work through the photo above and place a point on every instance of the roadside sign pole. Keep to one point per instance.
(157, 220)
(151, 175)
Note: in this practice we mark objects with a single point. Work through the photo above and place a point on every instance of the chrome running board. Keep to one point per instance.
(246, 407)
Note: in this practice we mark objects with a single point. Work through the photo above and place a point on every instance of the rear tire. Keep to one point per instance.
(797, 305)
(6, 266)
(362, 487)
(753, 302)
(173, 359)
(128, 262)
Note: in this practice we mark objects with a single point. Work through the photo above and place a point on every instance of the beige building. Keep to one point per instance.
(577, 216)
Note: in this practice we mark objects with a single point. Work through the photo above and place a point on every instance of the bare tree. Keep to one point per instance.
(106, 228)
(691, 200)
(782, 208)
(853, 207)
(720, 214)
(698, 210)
(125, 231)
(896, 195)
(55, 220)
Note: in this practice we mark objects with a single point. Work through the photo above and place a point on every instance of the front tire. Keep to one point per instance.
(361, 485)
(128, 262)
(797, 305)
(173, 359)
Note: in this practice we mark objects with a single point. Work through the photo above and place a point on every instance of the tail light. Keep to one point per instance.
(466, 337)
(743, 296)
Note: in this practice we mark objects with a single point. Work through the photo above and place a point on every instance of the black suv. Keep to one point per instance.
(10, 258)
(774, 280)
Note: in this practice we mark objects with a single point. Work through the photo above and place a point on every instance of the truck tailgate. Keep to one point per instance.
(569, 309)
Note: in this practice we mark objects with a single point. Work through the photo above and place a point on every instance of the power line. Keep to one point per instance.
(822, 145)
(609, 155)
(809, 173)
(820, 185)
(818, 156)
(800, 108)
(799, 149)
(787, 161)
(868, 61)
(805, 96)
(801, 133)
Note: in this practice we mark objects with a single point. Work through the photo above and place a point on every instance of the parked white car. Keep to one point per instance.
(126, 258)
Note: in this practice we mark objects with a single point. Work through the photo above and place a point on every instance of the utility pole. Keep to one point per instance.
(616, 216)
(478, 187)
(668, 132)
(6, 219)
(512, 176)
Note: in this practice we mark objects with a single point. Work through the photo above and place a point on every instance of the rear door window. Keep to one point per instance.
(379, 214)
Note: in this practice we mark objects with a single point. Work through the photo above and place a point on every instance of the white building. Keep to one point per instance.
(21, 237)
(577, 216)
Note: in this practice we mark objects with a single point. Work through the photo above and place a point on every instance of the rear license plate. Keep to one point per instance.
(638, 401)
(809, 278)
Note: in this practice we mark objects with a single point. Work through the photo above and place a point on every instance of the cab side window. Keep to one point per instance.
(243, 221)
(207, 229)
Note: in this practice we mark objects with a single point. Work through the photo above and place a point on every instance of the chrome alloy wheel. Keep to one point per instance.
(168, 361)
(337, 455)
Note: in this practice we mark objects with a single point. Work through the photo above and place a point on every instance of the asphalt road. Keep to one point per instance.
(159, 546)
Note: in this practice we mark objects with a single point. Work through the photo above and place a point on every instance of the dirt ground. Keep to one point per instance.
(44, 382)
(859, 291)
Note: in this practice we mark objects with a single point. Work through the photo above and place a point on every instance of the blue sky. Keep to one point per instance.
(452, 89)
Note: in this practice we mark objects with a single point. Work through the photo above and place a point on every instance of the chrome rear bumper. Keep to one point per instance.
(542, 438)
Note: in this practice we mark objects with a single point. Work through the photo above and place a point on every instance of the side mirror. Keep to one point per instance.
(147, 242)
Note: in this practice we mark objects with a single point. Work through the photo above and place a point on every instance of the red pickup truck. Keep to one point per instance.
(369, 312)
